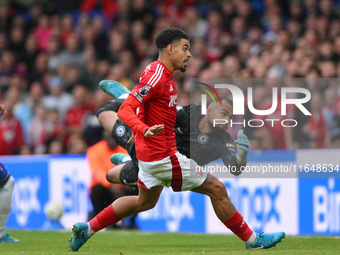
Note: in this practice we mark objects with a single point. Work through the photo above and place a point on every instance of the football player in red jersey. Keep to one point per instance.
(196, 138)
(160, 164)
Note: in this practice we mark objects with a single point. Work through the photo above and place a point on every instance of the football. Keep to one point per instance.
(54, 210)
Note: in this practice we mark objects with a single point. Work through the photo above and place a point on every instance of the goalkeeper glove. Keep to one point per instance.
(243, 146)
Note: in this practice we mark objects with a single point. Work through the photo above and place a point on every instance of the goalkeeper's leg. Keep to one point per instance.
(107, 115)
(114, 88)
(126, 173)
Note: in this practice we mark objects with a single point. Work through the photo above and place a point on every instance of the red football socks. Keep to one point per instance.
(104, 219)
(238, 226)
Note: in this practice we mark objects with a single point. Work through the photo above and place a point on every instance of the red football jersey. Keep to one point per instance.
(11, 136)
(156, 97)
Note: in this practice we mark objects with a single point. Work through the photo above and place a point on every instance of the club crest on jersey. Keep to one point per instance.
(203, 138)
(145, 90)
(147, 69)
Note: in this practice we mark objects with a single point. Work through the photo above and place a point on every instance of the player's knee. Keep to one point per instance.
(111, 177)
(110, 106)
(100, 117)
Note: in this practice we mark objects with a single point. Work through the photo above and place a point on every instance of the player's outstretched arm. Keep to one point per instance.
(243, 147)
(127, 113)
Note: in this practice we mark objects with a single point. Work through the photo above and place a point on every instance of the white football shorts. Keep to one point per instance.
(176, 171)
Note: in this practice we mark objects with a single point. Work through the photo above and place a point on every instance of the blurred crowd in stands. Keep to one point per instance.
(54, 53)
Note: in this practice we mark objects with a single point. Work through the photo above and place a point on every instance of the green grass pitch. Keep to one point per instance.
(123, 242)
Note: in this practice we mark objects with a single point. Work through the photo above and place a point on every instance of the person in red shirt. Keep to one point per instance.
(160, 164)
(107, 6)
(75, 116)
(11, 132)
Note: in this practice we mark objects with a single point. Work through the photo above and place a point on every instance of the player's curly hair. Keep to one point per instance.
(169, 35)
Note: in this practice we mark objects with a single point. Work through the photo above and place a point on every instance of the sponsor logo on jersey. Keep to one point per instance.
(145, 90)
(173, 100)
(120, 131)
(138, 97)
(230, 146)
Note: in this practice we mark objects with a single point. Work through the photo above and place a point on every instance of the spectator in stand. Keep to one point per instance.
(330, 96)
(76, 145)
(75, 116)
(35, 95)
(88, 34)
(57, 98)
(118, 73)
(262, 139)
(108, 7)
(103, 68)
(71, 77)
(25, 150)
(142, 11)
(71, 54)
(100, 40)
(11, 133)
(93, 131)
(90, 75)
(40, 67)
(17, 41)
(194, 24)
(53, 51)
(3, 42)
(20, 109)
(66, 28)
(123, 14)
(36, 10)
(6, 17)
(55, 125)
(55, 147)
(316, 125)
(8, 67)
(117, 44)
(29, 56)
(43, 32)
(38, 130)
(276, 129)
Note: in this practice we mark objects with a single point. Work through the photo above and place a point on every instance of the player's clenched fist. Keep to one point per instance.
(154, 130)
